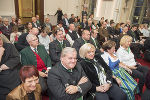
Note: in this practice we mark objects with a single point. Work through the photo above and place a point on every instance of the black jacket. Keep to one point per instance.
(55, 50)
(59, 77)
(91, 73)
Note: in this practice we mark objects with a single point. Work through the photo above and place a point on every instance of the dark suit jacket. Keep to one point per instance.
(9, 79)
(77, 44)
(59, 77)
(6, 31)
(38, 25)
(111, 31)
(133, 35)
(29, 58)
(22, 42)
(90, 71)
(71, 20)
(64, 23)
(55, 50)
(97, 45)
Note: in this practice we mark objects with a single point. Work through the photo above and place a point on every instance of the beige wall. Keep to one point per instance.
(67, 6)
(7, 8)
(126, 12)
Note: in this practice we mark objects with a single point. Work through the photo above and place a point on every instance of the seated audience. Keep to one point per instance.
(9, 66)
(35, 24)
(72, 35)
(89, 25)
(6, 29)
(14, 35)
(147, 50)
(65, 22)
(71, 20)
(13, 21)
(93, 40)
(48, 24)
(44, 39)
(57, 46)
(67, 80)
(61, 28)
(22, 42)
(29, 89)
(126, 56)
(100, 75)
(103, 33)
(36, 55)
(145, 95)
(125, 81)
(20, 25)
(76, 24)
(83, 24)
(111, 30)
(80, 41)
(28, 27)
(38, 20)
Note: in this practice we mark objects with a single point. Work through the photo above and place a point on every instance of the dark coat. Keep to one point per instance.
(55, 50)
(91, 73)
(77, 44)
(64, 23)
(22, 42)
(97, 45)
(9, 79)
(59, 77)
(6, 31)
(38, 25)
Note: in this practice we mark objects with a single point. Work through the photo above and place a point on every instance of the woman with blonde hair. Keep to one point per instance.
(100, 75)
(125, 81)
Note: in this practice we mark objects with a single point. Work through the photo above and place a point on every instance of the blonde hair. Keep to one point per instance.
(124, 39)
(85, 49)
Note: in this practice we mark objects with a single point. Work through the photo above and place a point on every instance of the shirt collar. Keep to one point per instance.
(33, 48)
(66, 68)
(70, 31)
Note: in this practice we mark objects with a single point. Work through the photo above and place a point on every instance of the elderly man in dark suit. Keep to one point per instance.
(6, 29)
(9, 65)
(57, 46)
(93, 40)
(80, 41)
(67, 80)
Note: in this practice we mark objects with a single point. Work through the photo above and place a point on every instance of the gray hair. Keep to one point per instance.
(67, 50)
(29, 37)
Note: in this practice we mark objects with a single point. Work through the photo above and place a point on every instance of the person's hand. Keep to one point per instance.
(106, 87)
(100, 89)
(71, 89)
(42, 74)
(4, 67)
(2, 51)
(133, 67)
(83, 80)
(129, 71)
(46, 72)
(118, 81)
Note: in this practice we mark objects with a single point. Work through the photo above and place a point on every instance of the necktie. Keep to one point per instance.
(35, 50)
(61, 43)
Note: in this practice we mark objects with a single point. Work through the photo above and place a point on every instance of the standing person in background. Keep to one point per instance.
(38, 20)
(59, 14)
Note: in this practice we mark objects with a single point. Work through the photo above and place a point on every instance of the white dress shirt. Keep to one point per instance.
(44, 41)
(126, 56)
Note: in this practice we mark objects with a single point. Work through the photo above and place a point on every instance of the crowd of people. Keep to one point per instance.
(78, 59)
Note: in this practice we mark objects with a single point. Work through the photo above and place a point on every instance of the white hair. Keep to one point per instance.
(29, 37)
